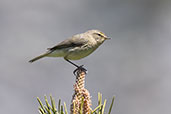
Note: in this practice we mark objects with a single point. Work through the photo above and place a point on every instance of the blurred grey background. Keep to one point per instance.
(134, 66)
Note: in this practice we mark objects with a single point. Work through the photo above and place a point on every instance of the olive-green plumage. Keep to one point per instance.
(76, 47)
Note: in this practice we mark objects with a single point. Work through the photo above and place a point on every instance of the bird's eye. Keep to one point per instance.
(99, 35)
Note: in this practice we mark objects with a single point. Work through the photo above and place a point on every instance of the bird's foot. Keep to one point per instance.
(79, 69)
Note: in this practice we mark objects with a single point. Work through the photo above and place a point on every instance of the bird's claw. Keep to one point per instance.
(80, 69)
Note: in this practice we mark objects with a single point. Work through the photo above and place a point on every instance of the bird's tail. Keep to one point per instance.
(39, 57)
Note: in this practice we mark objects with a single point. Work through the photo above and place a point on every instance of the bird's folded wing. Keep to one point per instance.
(75, 41)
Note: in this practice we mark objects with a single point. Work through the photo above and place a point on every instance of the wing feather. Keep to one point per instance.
(75, 41)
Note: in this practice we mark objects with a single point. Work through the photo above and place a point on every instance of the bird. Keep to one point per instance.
(76, 47)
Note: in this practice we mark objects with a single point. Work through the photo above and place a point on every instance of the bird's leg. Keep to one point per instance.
(72, 63)
(79, 68)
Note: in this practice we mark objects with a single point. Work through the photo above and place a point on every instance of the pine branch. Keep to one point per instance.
(80, 103)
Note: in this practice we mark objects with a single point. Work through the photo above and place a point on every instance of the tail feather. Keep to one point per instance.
(38, 57)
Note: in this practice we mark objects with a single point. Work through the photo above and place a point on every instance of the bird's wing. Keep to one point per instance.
(75, 41)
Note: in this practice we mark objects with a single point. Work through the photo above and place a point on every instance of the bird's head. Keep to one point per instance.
(99, 36)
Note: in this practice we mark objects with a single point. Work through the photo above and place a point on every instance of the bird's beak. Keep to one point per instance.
(107, 38)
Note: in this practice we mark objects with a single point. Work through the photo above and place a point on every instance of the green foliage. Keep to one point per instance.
(62, 109)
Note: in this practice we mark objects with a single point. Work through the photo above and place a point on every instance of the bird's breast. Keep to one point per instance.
(80, 52)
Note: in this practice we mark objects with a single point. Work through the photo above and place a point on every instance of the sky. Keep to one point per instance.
(134, 66)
